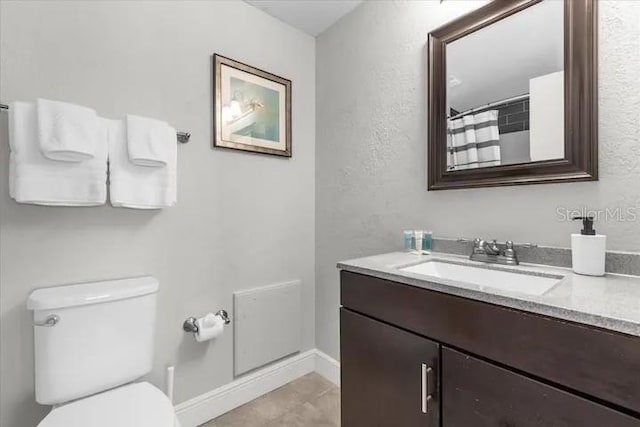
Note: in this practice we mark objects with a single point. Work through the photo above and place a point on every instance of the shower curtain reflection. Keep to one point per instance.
(474, 141)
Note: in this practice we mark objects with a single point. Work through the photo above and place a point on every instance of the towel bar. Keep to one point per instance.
(183, 137)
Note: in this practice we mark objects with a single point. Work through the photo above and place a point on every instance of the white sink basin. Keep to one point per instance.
(513, 281)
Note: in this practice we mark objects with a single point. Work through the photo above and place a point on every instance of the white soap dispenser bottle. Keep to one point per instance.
(588, 249)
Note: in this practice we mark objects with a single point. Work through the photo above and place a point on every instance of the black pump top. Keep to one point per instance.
(587, 224)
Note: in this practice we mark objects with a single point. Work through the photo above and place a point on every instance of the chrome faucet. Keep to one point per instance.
(492, 252)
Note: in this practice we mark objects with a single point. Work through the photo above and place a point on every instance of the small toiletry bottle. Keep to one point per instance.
(588, 249)
(418, 240)
(408, 240)
(427, 241)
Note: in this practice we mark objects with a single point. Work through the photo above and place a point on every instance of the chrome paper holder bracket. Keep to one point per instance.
(191, 325)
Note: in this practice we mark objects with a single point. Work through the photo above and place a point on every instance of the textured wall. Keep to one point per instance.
(371, 139)
(242, 220)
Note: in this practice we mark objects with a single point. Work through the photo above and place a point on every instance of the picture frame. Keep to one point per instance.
(252, 108)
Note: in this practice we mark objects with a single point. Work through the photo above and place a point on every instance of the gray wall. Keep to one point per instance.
(242, 220)
(371, 139)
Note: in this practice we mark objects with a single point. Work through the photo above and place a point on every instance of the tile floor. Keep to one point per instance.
(310, 401)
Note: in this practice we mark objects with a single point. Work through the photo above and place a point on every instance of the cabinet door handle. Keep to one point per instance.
(427, 371)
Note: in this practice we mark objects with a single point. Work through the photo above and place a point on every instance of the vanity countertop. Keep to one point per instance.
(610, 302)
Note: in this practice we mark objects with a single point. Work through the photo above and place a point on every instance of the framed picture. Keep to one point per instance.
(252, 108)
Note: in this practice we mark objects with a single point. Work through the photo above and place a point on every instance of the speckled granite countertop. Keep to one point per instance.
(610, 302)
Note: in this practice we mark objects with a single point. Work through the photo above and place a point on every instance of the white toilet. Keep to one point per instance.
(92, 341)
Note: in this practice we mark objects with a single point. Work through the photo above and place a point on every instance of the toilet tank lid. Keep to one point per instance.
(91, 293)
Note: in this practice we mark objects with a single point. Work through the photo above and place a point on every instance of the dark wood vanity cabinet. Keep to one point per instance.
(394, 384)
(488, 366)
(480, 394)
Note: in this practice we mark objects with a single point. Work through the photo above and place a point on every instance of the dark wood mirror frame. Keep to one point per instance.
(580, 112)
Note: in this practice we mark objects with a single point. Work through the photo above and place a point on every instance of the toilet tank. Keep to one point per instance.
(91, 337)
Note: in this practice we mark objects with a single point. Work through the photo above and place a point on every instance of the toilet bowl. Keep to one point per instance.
(93, 342)
(133, 405)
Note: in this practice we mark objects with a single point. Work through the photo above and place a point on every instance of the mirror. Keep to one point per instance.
(512, 96)
(508, 107)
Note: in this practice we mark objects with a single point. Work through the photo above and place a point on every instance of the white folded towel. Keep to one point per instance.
(38, 180)
(140, 187)
(149, 141)
(67, 132)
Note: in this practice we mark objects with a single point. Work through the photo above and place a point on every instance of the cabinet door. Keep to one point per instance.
(479, 394)
(389, 376)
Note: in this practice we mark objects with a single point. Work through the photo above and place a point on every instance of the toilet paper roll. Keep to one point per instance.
(209, 327)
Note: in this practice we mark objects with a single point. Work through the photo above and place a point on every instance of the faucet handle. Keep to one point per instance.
(465, 240)
(479, 246)
(476, 241)
(509, 252)
(509, 248)
(511, 245)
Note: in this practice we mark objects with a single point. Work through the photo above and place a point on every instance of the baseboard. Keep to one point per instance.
(210, 405)
(328, 367)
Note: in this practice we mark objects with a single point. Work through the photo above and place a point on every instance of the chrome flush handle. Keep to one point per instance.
(49, 322)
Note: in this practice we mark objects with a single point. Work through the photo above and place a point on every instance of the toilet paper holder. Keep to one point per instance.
(191, 325)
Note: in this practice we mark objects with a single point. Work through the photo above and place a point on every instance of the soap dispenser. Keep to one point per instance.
(588, 249)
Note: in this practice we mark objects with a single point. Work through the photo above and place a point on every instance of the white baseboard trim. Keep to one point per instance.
(328, 367)
(210, 405)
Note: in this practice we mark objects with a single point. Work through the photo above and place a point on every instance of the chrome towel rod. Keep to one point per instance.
(183, 137)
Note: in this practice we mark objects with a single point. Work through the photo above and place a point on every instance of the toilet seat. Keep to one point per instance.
(132, 405)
